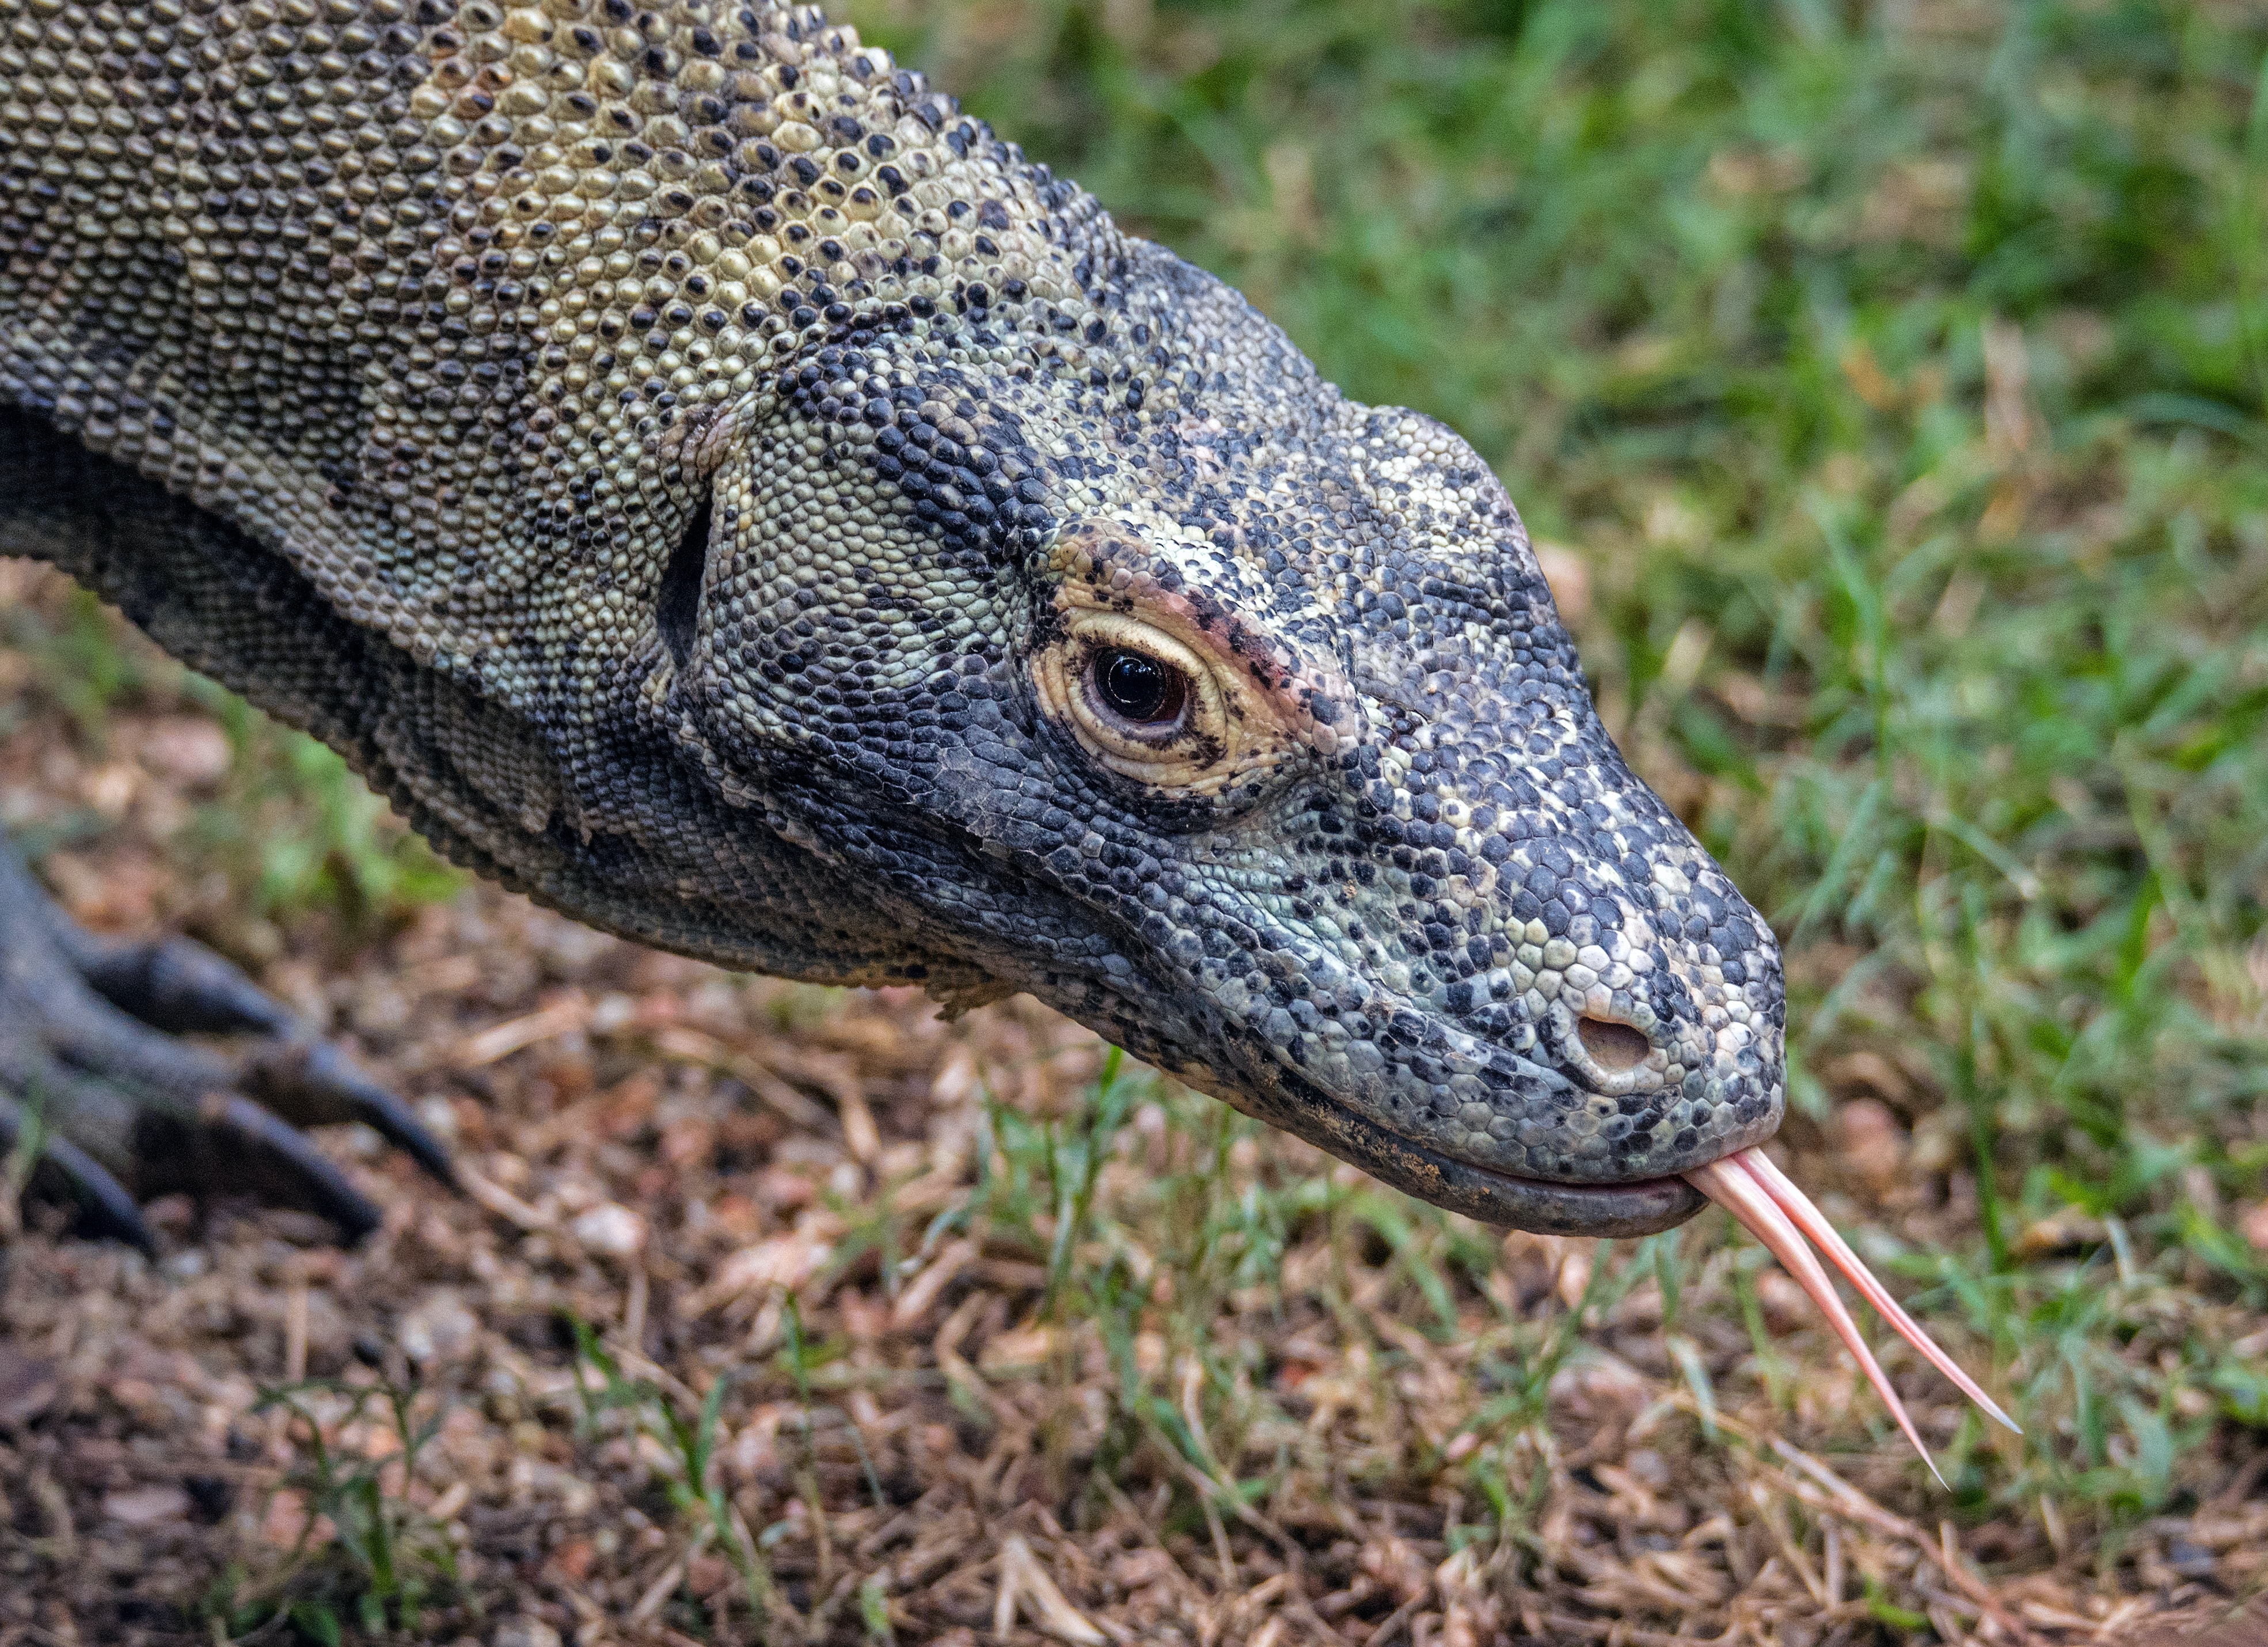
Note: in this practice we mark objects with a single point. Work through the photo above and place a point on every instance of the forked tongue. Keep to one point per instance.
(1772, 1208)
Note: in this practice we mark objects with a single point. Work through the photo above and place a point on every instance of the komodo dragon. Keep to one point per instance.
(709, 483)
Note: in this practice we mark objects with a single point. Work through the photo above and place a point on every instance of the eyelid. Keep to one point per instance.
(1065, 675)
(1301, 693)
(1229, 733)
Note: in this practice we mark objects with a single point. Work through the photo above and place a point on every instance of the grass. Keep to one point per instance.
(1899, 378)
(687, 1469)
(361, 1555)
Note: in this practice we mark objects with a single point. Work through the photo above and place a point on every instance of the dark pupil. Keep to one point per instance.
(1137, 687)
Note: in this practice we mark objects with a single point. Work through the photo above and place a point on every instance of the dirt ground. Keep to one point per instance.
(1259, 1403)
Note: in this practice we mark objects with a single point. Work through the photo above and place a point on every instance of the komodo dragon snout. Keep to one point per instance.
(1248, 735)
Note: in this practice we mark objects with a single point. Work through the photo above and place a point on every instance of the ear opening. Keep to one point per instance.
(677, 603)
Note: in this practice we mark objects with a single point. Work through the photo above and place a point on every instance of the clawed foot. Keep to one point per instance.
(121, 1111)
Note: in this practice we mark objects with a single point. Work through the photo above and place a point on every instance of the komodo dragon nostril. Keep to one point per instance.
(1614, 1048)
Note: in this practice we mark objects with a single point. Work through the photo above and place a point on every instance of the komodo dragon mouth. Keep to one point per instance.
(726, 492)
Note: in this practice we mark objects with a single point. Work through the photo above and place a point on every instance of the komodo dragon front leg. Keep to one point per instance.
(91, 1065)
(88, 1058)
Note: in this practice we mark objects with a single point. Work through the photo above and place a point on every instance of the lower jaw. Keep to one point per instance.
(1640, 1207)
(1643, 1206)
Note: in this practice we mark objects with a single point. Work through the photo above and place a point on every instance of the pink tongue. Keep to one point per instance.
(1747, 1185)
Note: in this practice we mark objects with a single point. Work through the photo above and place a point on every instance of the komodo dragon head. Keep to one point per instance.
(1234, 720)
(1105, 651)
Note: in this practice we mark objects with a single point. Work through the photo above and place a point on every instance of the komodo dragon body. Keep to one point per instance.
(710, 483)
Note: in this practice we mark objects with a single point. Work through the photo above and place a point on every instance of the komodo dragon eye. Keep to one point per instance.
(1142, 701)
(1149, 696)
(1185, 697)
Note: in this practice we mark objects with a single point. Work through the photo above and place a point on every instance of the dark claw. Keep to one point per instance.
(67, 1172)
(107, 1210)
(88, 1029)
(236, 1146)
(312, 1081)
(177, 986)
(181, 988)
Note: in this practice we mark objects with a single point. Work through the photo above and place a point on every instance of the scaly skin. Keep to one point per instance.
(708, 483)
